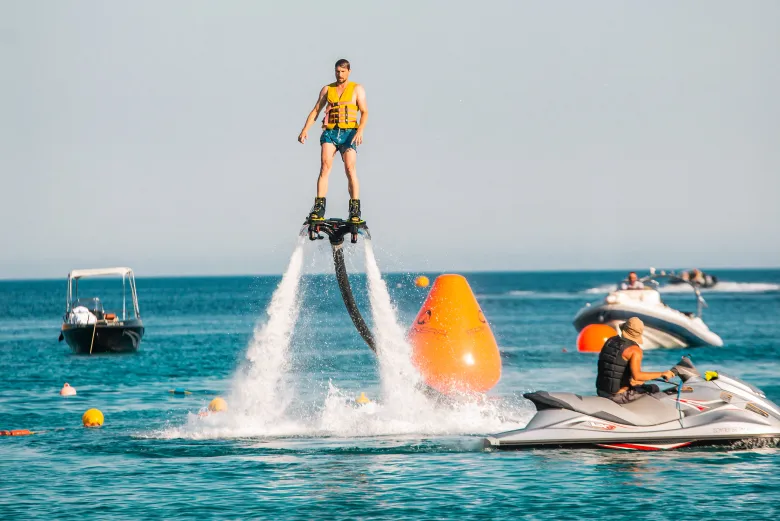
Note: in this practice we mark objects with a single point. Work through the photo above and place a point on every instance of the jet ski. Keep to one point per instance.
(664, 326)
(712, 410)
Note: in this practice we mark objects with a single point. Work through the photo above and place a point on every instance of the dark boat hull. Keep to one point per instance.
(107, 338)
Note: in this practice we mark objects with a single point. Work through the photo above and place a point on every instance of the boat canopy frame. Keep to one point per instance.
(128, 279)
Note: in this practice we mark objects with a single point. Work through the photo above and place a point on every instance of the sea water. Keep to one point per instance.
(284, 354)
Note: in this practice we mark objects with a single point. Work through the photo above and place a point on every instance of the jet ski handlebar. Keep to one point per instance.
(685, 369)
(674, 385)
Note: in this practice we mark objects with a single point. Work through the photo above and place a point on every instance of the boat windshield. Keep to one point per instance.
(93, 304)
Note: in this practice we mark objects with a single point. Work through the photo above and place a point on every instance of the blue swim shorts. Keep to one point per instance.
(340, 137)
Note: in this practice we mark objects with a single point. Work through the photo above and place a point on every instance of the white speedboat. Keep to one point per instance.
(664, 326)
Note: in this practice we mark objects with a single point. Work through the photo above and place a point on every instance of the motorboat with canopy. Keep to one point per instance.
(89, 328)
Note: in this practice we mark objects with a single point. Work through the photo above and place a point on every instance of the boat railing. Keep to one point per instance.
(128, 280)
(653, 280)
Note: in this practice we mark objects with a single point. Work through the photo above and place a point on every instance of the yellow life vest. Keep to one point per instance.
(341, 111)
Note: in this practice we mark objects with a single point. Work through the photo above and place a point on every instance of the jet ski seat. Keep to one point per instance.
(644, 411)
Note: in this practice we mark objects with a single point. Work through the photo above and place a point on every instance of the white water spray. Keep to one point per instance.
(258, 387)
(405, 407)
(395, 354)
(721, 287)
(259, 399)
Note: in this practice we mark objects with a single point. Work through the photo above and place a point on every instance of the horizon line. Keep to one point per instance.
(421, 272)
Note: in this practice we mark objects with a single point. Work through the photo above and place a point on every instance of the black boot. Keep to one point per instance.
(354, 211)
(318, 210)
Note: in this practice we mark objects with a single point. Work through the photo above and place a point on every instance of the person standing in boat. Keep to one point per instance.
(341, 132)
(632, 282)
(620, 376)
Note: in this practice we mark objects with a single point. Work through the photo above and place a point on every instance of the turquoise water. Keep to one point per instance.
(313, 453)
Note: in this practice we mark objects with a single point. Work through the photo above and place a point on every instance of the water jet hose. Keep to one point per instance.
(349, 299)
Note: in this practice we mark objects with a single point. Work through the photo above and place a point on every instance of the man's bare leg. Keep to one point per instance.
(350, 159)
(326, 163)
(350, 168)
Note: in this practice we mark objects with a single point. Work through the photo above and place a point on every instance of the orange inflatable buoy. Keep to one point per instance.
(592, 337)
(17, 432)
(452, 344)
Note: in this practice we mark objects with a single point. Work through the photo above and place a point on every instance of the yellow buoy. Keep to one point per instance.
(92, 418)
(218, 405)
(362, 399)
(422, 281)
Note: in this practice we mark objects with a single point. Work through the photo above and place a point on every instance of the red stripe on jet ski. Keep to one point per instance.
(636, 446)
(695, 404)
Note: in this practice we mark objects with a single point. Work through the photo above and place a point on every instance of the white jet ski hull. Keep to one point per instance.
(596, 433)
(722, 410)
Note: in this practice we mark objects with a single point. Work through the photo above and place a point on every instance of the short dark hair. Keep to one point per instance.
(342, 63)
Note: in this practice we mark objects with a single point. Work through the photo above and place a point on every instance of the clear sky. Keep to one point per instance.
(510, 135)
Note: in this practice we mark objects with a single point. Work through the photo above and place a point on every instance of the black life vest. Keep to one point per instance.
(613, 372)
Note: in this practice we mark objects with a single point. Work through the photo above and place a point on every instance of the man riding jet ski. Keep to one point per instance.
(620, 376)
(631, 415)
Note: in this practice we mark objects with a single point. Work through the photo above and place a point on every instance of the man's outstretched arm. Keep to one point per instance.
(313, 114)
(635, 364)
